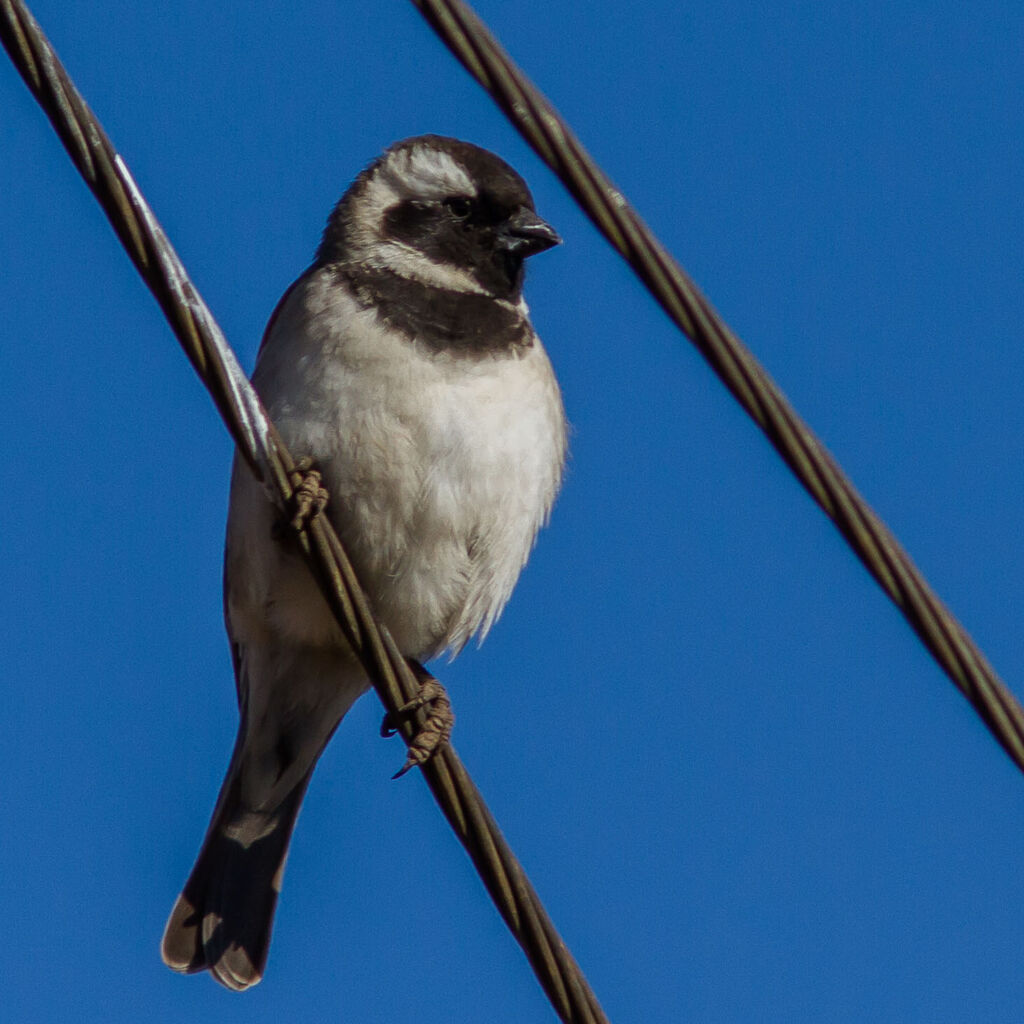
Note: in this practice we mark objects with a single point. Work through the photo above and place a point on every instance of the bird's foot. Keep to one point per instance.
(433, 734)
(309, 498)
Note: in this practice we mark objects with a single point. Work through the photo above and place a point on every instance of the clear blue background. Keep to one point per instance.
(741, 786)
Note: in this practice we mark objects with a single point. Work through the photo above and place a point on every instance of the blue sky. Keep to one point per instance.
(739, 783)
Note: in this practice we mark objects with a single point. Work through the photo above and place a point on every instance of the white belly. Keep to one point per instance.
(440, 468)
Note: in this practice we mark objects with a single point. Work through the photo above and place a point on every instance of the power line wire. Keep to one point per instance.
(871, 540)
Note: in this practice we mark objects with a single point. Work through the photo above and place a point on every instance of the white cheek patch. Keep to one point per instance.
(377, 198)
(410, 263)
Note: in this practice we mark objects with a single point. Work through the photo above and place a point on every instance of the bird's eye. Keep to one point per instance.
(459, 206)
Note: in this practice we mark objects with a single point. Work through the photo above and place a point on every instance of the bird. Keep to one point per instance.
(404, 364)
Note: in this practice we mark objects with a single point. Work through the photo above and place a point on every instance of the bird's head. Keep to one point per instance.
(441, 212)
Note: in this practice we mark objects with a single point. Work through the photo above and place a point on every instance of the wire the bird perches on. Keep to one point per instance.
(871, 540)
(107, 176)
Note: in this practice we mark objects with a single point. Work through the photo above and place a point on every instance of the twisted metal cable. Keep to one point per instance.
(543, 128)
(107, 176)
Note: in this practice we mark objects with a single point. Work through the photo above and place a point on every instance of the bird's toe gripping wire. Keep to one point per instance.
(309, 498)
(432, 733)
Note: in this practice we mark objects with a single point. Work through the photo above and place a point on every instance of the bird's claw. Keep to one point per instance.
(309, 498)
(433, 734)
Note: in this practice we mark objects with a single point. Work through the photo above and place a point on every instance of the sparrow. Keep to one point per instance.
(404, 364)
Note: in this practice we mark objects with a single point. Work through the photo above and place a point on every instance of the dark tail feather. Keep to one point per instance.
(224, 915)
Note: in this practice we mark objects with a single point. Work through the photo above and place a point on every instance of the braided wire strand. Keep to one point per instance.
(160, 268)
(539, 123)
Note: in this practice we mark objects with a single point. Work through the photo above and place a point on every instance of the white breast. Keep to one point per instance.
(441, 468)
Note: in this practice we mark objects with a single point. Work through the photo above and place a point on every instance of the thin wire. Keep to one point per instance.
(542, 127)
(107, 176)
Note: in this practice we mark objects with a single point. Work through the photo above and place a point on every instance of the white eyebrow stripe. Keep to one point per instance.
(426, 173)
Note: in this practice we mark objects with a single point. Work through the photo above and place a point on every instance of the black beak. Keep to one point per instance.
(525, 234)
